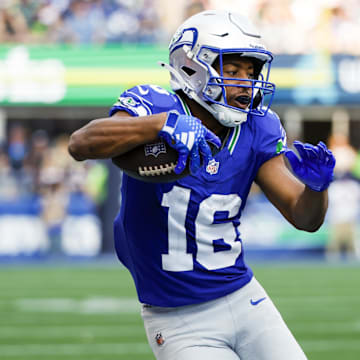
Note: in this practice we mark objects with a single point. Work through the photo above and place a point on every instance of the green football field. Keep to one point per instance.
(82, 312)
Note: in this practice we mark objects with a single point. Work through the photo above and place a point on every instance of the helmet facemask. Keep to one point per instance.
(257, 93)
(197, 49)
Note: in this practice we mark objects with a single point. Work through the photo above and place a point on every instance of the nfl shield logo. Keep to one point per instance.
(155, 149)
(159, 339)
(212, 167)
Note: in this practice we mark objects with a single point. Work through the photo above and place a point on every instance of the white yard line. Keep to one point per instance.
(329, 345)
(47, 332)
(74, 349)
(331, 327)
(94, 305)
(316, 298)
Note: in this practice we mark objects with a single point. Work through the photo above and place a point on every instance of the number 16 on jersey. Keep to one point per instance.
(207, 232)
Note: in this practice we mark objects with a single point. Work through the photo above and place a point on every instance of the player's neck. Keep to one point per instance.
(206, 118)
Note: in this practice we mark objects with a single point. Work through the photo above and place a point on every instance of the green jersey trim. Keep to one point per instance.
(280, 146)
(234, 139)
(184, 105)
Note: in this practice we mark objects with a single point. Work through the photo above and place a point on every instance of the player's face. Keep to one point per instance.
(242, 68)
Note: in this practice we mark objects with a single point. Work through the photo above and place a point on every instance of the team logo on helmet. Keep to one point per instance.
(177, 36)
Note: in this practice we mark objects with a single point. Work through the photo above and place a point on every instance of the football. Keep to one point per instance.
(152, 162)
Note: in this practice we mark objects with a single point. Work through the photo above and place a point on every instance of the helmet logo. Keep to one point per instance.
(183, 37)
(177, 36)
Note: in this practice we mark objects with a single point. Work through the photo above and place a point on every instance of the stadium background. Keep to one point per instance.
(62, 64)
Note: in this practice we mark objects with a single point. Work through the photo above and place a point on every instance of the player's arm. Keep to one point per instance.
(116, 135)
(303, 199)
(112, 136)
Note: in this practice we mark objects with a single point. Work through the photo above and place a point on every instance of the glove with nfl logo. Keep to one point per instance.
(189, 137)
(315, 167)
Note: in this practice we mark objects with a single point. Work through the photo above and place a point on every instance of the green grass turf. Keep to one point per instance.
(91, 312)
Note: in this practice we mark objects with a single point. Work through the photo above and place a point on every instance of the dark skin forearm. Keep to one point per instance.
(301, 206)
(109, 137)
(310, 209)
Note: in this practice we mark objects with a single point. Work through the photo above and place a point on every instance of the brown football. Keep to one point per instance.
(152, 162)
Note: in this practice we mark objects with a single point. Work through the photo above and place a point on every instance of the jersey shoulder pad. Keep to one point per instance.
(267, 123)
(269, 132)
(144, 100)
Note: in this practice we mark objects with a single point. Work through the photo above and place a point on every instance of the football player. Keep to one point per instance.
(181, 240)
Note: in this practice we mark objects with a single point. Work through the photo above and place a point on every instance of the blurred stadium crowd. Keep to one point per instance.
(330, 25)
(78, 21)
(37, 165)
(38, 178)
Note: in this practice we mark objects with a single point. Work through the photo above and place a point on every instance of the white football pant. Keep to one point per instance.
(244, 325)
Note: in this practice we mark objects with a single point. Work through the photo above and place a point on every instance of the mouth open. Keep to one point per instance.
(243, 101)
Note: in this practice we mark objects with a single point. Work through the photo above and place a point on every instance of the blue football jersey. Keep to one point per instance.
(181, 240)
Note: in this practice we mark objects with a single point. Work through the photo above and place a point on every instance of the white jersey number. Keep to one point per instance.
(207, 233)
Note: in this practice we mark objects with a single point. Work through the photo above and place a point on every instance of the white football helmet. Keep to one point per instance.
(206, 37)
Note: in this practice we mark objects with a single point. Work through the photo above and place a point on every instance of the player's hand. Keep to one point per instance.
(189, 137)
(315, 167)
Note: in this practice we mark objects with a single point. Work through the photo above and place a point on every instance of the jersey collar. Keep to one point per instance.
(233, 138)
(184, 105)
(234, 132)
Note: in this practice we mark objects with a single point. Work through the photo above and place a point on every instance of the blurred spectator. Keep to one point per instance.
(39, 149)
(272, 18)
(54, 197)
(344, 153)
(83, 23)
(344, 203)
(150, 28)
(13, 25)
(194, 7)
(8, 186)
(29, 11)
(123, 24)
(17, 146)
(134, 21)
(337, 28)
(14, 156)
(344, 27)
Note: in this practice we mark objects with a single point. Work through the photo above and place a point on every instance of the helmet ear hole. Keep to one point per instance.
(188, 70)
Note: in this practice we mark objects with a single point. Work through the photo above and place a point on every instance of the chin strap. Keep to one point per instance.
(225, 116)
(229, 117)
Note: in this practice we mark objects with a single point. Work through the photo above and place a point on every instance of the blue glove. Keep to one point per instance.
(189, 137)
(315, 167)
